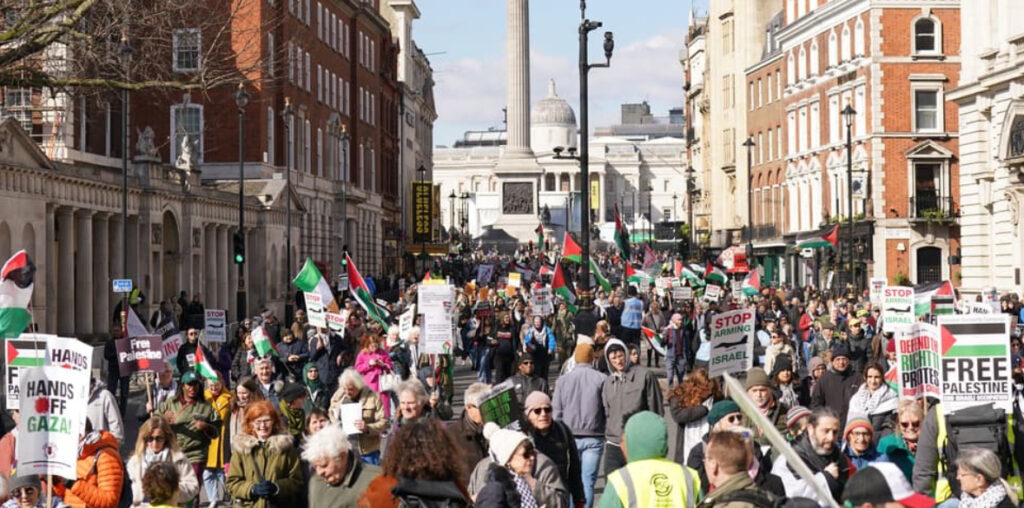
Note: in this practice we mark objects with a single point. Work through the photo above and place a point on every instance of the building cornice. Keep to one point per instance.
(988, 82)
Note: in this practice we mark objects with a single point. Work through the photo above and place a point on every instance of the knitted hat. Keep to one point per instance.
(756, 376)
(502, 442)
(890, 347)
(828, 326)
(677, 315)
(584, 353)
(721, 409)
(292, 391)
(24, 480)
(535, 400)
(795, 414)
(782, 362)
(814, 363)
(857, 420)
(840, 349)
(524, 357)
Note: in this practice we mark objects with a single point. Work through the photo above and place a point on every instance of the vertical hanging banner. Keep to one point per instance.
(421, 212)
(52, 408)
(897, 308)
(918, 362)
(975, 366)
(215, 325)
(732, 342)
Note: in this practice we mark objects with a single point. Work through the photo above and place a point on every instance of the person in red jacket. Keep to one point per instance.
(100, 473)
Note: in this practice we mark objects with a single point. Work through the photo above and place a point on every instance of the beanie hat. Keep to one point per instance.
(857, 420)
(782, 362)
(535, 400)
(890, 347)
(524, 357)
(756, 376)
(840, 349)
(814, 363)
(292, 391)
(720, 409)
(795, 414)
(584, 353)
(676, 315)
(502, 442)
(24, 480)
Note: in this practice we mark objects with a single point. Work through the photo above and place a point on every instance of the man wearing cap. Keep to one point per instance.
(629, 389)
(725, 415)
(649, 479)
(881, 485)
(577, 403)
(293, 396)
(857, 437)
(194, 421)
(759, 389)
(835, 388)
(524, 380)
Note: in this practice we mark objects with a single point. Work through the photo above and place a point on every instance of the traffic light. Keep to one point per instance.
(239, 247)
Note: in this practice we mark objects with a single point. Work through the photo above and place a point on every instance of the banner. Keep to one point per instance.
(171, 346)
(315, 310)
(28, 350)
(515, 279)
(70, 354)
(335, 322)
(484, 274)
(732, 342)
(422, 193)
(682, 293)
(876, 290)
(52, 417)
(975, 361)
(436, 298)
(215, 329)
(405, 322)
(436, 333)
(540, 299)
(136, 354)
(897, 308)
(917, 362)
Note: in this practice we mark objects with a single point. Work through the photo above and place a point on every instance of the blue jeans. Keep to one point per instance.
(675, 366)
(483, 373)
(212, 480)
(372, 458)
(590, 449)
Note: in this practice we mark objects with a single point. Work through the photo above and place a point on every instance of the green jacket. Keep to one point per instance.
(345, 494)
(739, 481)
(894, 447)
(193, 443)
(275, 460)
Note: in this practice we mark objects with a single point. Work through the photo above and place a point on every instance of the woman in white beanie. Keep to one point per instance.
(509, 479)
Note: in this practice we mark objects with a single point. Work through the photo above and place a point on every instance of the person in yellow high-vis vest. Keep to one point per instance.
(649, 479)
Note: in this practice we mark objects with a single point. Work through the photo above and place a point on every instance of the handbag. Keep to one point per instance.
(389, 381)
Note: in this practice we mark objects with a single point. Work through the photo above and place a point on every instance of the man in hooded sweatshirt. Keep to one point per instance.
(628, 390)
(838, 385)
(649, 479)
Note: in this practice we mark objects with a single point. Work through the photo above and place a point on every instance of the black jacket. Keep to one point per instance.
(560, 446)
(500, 489)
(472, 445)
(527, 385)
(834, 390)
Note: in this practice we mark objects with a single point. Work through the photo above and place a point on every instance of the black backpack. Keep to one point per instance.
(975, 427)
(428, 494)
(754, 497)
(127, 497)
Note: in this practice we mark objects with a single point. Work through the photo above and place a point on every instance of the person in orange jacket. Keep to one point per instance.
(100, 472)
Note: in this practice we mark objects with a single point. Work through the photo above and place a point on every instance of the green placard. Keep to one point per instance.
(501, 407)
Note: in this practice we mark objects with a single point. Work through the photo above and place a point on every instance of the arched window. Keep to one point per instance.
(927, 36)
(833, 50)
(549, 182)
(790, 70)
(858, 38)
(814, 58)
(802, 64)
(845, 44)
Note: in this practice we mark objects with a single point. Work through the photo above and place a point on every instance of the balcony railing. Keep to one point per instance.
(927, 207)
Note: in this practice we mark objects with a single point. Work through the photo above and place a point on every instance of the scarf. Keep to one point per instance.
(818, 463)
(526, 499)
(869, 402)
(788, 395)
(149, 458)
(312, 385)
(294, 419)
(992, 496)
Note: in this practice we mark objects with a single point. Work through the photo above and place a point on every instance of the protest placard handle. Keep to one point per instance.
(149, 390)
(49, 489)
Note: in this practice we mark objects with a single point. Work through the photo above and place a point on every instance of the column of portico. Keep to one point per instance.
(83, 274)
(101, 316)
(65, 273)
(222, 267)
(600, 194)
(209, 291)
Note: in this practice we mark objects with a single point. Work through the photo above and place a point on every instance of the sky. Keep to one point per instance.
(465, 42)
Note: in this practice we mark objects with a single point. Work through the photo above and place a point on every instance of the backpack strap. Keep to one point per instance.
(96, 458)
(757, 498)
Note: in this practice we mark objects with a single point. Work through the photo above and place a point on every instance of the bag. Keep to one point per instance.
(428, 494)
(757, 498)
(389, 381)
(975, 427)
(127, 497)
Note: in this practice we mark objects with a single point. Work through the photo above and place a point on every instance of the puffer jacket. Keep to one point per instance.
(188, 483)
(373, 416)
(100, 488)
(275, 460)
(218, 454)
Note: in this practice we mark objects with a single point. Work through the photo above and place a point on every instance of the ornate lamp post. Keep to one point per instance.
(241, 100)
(848, 114)
(749, 143)
(288, 114)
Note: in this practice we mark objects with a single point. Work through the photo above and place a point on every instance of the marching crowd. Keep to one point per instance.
(363, 417)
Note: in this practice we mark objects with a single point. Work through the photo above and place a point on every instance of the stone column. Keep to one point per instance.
(101, 315)
(83, 274)
(209, 291)
(65, 273)
(222, 267)
(517, 80)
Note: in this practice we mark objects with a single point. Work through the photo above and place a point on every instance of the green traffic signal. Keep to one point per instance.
(238, 241)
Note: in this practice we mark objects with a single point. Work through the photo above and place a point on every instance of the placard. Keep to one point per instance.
(140, 354)
(335, 321)
(501, 407)
(171, 346)
(405, 322)
(484, 274)
(540, 299)
(897, 307)
(315, 309)
(351, 413)
(435, 298)
(975, 367)
(515, 279)
(877, 284)
(52, 418)
(215, 329)
(917, 352)
(712, 291)
(28, 350)
(436, 333)
(682, 293)
(732, 342)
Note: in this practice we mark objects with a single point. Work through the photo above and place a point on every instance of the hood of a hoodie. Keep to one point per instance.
(97, 386)
(625, 350)
(95, 440)
(646, 437)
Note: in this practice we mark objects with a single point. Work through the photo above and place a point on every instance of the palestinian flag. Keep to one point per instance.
(540, 237)
(621, 235)
(830, 239)
(654, 339)
(546, 269)
(26, 353)
(650, 259)
(985, 338)
(677, 268)
(633, 275)
(357, 285)
(203, 366)
(571, 251)
(892, 377)
(924, 294)
(714, 274)
(261, 342)
(688, 274)
(599, 277)
(560, 288)
(17, 278)
(427, 276)
(752, 283)
(309, 280)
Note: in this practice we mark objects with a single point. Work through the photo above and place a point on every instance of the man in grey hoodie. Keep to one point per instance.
(628, 390)
(578, 404)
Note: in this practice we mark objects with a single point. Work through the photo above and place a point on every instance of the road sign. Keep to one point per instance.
(122, 285)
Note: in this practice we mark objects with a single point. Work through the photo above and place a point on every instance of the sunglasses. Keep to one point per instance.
(910, 425)
(541, 410)
(734, 418)
(158, 439)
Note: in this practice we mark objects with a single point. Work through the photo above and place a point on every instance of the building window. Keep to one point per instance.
(727, 93)
(727, 37)
(790, 69)
(319, 85)
(760, 93)
(802, 65)
(308, 71)
(750, 92)
(187, 119)
(791, 129)
(18, 103)
(187, 45)
(858, 38)
(814, 59)
(833, 118)
(929, 265)
(927, 115)
(771, 145)
(833, 49)
(769, 89)
(270, 54)
(549, 182)
(815, 129)
(926, 36)
(845, 43)
(320, 152)
(778, 84)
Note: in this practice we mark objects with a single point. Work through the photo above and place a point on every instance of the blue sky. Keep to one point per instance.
(465, 41)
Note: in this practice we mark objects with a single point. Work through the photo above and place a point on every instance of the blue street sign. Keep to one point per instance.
(122, 285)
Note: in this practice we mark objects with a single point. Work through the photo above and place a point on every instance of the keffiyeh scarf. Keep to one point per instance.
(992, 496)
(525, 494)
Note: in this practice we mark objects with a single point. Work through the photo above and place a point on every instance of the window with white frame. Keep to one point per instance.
(927, 36)
(320, 151)
(346, 98)
(801, 65)
(760, 92)
(187, 46)
(860, 105)
(814, 59)
(308, 70)
(815, 129)
(362, 53)
(319, 21)
(18, 104)
(833, 119)
(833, 49)
(801, 129)
(858, 38)
(927, 112)
(319, 85)
(760, 148)
(750, 101)
(844, 43)
(373, 55)
(778, 140)
(346, 36)
(769, 89)
(270, 136)
(791, 129)
(187, 119)
(305, 12)
(373, 170)
(771, 145)
(790, 69)
(778, 84)
(307, 148)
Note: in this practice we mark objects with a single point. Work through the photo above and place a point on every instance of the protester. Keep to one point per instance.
(373, 362)
(316, 420)
(632, 318)
(504, 353)
(555, 441)
(759, 389)
(786, 388)
(525, 380)
(629, 389)
(467, 432)
(241, 362)
(217, 456)
(102, 409)
(880, 485)
(269, 382)
(325, 348)
(796, 422)
(857, 438)
(162, 485)
(728, 458)
(819, 449)
(902, 445)
(193, 420)
(579, 405)
(293, 397)
(724, 415)
(156, 444)
(99, 469)
(677, 349)
(979, 472)
(246, 392)
(778, 346)
(340, 478)
(265, 469)
(317, 395)
(654, 319)
(352, 389)
(875, 397)
(838, 385)
(689, 403)
(540, 343)
(27, 492)
(510, 482)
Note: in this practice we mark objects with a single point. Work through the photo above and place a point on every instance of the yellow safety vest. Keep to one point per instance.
(943, 490)
(656, 483)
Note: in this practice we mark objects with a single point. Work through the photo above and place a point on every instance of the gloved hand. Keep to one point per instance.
(264, 489)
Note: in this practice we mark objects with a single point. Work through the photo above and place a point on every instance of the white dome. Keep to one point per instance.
(552, 110)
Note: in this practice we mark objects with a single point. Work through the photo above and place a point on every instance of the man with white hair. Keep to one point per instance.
(340, 477)
(468, 432)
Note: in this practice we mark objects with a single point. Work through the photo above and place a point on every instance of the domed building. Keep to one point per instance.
(552, 123)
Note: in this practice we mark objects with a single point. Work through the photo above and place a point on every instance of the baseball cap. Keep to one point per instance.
(189, 376)
(880, 483)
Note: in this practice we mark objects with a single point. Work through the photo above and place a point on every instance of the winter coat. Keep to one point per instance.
(896, 451)
(218, 453)
(624, 394)
(490, 483)
(103, 411)
(860, 351)
(373, 416)
(527, 385)
(469, 438)
(577, 401)
(871, 455)
(193, 443)
(188, 483)
(326, 357)
(736, 483)
(560, 446)
(371, 373)
(685, 418)
(275, 460)
(379, 493)
(834, 390)
(298, 348)
(100, 488)
(344, 495)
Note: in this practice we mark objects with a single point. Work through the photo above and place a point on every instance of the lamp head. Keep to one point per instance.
(848, 113)
(572, 151)
(609, 45)
(558, 150)
(288, 112)
(452, 195)
(241, 96)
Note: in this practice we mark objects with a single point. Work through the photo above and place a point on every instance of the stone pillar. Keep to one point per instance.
(65, 273)
(209, 292)
(83, 274)
(600, 196)
(101, 315)
(517, 80)
(222, 267)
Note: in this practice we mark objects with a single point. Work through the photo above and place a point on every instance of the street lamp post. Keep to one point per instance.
(691, 192)
(451, 215)
(675, 200)
(124, 54)
(848, 114)
(464, 222)
(423, 246)
(650, 215)
(344, 194)
(241, 100)
(749, 143)
(289, 114)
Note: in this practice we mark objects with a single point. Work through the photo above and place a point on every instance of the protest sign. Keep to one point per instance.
(737, 292)
(52, 417)
(28, 350)
(975, 366)
(69, 353)
(482, 309)
(897, 307)
(917, 352)
(436, 333)
(335, 321)
(712, 292)
(540, 299)
(732, 342)
(137, 354)
(515, 279)
(315, 310)
(436, 298)
(682, 293)
(877, 284)
(171, 346)
(216, 325)
(484, 274)
(501, 406)
(405, 322)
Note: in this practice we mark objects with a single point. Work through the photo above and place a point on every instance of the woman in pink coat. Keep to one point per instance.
(372, 362)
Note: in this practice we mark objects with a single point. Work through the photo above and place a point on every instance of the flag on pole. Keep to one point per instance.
(677, 266)
(203, 366)
(830, 239)
(752, 283)
(714, 274)
(694, 278)
(540, 237)
(135, 326)
(261, 342)
(357, 285)
(571, 251)
(599, 277)
(427, 276)
(653, 339)
(621, 235)
(924, 294)
(650, 259)
(309, 280)
(17, 280)
(633, 275)
(560, 288)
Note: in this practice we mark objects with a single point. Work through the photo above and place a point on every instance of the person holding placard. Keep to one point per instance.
(99, 469)
(373, 362)
(370, 425)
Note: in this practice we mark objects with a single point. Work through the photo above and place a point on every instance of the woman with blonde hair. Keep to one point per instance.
(901, 445)
(156, 443)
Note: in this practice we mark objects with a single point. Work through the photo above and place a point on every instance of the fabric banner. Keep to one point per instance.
(897, 308)
(732, 342)
(136, 354)
(315, 310)
(52, 417)
(215, 329)
(918, 362)
(975, 361)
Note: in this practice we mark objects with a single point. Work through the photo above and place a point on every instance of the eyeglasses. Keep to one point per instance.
(528, 453)
(910, 425)
(158, 439)
(25, 491)
(541, 410)
(735, 418)
(860, 433)
(263, 422)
